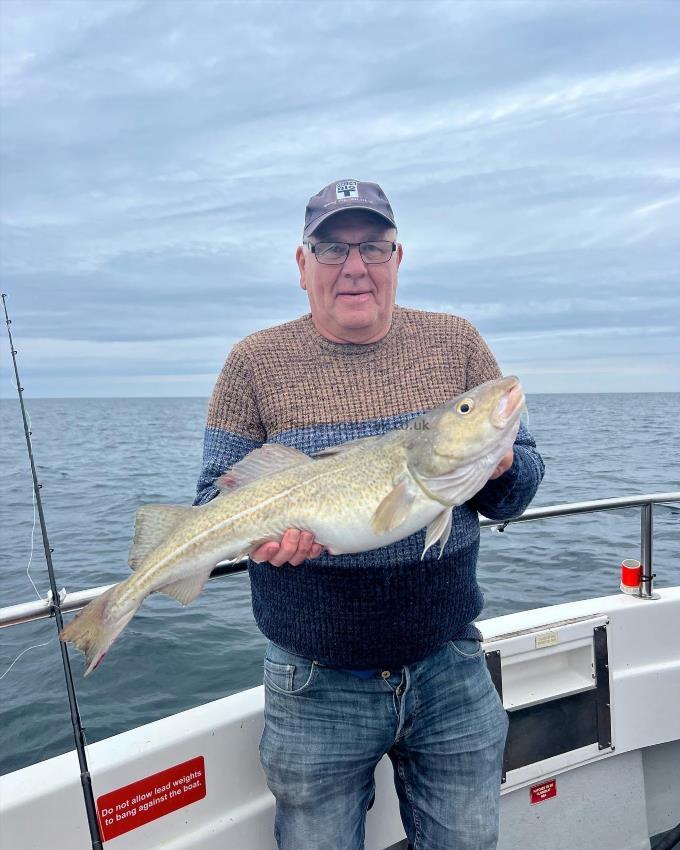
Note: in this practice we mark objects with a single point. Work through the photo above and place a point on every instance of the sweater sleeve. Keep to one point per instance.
(233, 428)
(510, 494)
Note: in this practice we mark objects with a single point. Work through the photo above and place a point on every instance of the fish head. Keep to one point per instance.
(464, 439)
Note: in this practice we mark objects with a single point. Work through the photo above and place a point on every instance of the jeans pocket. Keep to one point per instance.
(279, 676)
(287, 673)
(468, 649)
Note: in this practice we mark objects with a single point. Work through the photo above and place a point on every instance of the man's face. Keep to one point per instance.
(353, 301)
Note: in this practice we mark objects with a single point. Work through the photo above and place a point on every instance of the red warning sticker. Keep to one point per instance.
(543, 791)
(140, 802)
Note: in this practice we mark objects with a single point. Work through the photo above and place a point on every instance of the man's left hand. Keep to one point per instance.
(504, 465)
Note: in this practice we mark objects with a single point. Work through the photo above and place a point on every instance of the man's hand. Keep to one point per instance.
(295, 547)
(504, 465)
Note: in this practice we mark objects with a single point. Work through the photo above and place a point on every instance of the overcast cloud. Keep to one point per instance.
(156, 158)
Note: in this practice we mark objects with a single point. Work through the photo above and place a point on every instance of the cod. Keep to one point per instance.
(352, 497)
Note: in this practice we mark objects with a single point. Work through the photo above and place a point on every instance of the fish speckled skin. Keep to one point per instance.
(352, 498)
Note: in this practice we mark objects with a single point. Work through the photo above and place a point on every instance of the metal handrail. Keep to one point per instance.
(26, 612)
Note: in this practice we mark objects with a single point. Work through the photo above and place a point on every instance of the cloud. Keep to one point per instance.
(155, 163)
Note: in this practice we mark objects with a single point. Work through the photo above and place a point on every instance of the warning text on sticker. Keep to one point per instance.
(150, 798)
(543, 791)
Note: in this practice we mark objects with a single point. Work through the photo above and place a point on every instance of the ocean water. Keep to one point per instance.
(100, 459)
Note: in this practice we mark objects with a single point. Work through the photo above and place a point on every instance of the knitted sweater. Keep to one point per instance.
(288, 384)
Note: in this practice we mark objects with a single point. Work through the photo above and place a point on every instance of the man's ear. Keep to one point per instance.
(400, 254)
(301, 259)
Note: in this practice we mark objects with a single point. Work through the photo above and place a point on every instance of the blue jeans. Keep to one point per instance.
(440, 721)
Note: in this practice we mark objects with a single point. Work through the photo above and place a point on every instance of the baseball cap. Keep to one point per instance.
(346, 195)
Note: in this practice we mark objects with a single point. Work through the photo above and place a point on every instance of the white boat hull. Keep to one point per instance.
(610, 798)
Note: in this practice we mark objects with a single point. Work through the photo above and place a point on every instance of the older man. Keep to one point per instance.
(375, 653)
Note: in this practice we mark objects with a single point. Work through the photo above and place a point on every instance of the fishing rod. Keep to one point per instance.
(78, 731)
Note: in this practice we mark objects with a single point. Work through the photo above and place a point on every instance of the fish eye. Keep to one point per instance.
(465, 406)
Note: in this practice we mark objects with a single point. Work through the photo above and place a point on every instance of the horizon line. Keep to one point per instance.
(207, 397)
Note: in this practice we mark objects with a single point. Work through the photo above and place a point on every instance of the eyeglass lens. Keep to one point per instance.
(332, 253)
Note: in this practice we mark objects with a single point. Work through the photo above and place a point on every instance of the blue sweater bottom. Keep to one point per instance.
(361, 617)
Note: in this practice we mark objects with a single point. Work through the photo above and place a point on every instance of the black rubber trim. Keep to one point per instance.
(604, 716)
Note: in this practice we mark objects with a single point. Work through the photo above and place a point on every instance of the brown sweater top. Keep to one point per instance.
(299, 379)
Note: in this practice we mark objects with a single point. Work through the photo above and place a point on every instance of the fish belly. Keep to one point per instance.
(351, 531)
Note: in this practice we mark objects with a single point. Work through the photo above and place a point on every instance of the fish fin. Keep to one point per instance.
(394, 508)
(242, 554)
(268, 459)
(342, 447)
(251, 547)
(153, 523)
(93, 631)
(187, 589)
(438, 530)
(245, 552)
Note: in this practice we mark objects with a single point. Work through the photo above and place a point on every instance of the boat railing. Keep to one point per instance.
(26, 612)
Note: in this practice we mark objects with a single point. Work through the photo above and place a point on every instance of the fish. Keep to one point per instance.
(353, 497)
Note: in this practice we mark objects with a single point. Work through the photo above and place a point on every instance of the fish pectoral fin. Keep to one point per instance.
(153, 523)
(187, 589)
(268, 459)
(238, 556)
(438, 531)
(394, 508)
(247, 550)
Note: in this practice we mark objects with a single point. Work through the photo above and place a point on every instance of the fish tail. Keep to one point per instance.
(96, 627)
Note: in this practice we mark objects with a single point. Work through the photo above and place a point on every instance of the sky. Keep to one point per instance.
(156, 158)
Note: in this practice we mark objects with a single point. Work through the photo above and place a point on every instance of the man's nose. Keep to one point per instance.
(354, 265)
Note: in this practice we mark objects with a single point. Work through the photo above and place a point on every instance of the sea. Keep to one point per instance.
(98, 460)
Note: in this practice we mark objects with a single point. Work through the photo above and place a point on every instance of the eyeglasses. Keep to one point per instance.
(335, 253)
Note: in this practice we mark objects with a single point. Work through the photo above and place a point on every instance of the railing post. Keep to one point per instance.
(646, 551)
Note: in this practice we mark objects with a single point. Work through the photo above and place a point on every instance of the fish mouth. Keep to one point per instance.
(510, 404)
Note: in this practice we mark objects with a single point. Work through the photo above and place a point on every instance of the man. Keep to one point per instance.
(377, 652)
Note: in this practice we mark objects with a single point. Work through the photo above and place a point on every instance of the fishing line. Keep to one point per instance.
(28, 567)
(30, 557)
(78, 731)
(23, 652)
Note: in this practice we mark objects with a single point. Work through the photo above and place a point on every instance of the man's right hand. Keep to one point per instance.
(295, 547)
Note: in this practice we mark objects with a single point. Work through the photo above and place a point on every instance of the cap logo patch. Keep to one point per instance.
(346, 189)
